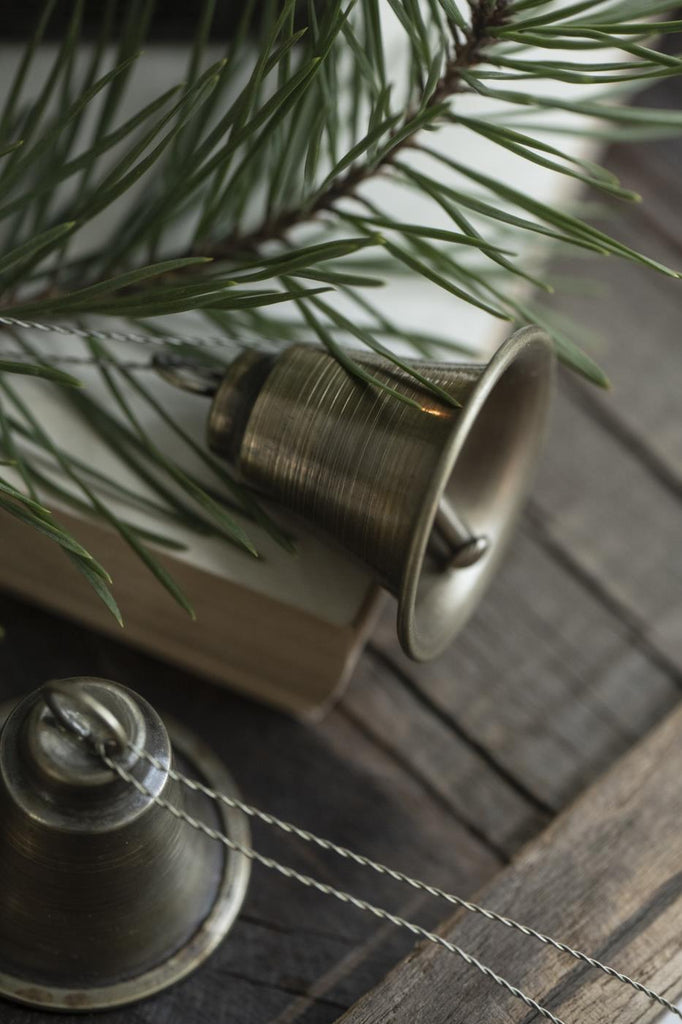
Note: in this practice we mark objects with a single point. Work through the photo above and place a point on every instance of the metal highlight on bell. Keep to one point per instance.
(105, 898)
(427, 496)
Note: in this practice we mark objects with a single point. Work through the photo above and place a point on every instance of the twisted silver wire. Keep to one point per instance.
(327, 890)
(20, 356)
(399, 876)
(165, 340)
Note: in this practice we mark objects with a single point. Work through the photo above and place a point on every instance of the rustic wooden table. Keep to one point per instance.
(446, 770)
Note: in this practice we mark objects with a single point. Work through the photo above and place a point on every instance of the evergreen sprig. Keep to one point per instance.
(242, 191)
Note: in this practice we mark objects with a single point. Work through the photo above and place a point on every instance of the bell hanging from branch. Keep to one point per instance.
(425, 495)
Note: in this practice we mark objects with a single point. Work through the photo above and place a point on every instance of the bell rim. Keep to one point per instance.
(407, 628)
(211, 930)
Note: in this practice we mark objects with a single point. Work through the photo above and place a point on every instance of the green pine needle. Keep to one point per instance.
(240, 193)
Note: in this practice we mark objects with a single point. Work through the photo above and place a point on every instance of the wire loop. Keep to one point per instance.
(78, 712)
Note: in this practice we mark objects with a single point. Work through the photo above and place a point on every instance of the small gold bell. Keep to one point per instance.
(426, 498)
(105, 897)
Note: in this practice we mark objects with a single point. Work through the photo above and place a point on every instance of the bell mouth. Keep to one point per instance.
(484, 476)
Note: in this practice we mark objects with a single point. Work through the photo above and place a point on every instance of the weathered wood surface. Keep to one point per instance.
(445, 770)
(599, 659)
(290, 951)
(604, 878)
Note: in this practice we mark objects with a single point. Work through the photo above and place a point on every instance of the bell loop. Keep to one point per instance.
(188, 375)
(78, 712)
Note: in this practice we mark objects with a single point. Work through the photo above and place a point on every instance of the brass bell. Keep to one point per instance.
(426, 497)
(105, 897)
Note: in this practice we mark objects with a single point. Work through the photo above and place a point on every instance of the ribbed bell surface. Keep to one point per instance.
(102, 891)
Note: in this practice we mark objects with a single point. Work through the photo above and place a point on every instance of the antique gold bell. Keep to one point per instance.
(426, 497)
(105, 897)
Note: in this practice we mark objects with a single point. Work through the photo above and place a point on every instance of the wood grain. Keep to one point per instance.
(612, 504)
(458, 774)
(604, 877)
(546, 680)
(629, 546)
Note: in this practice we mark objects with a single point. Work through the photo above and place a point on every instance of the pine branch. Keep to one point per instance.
(256, 209)
(468, 52)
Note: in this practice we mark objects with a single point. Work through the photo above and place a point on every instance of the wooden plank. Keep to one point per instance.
(634, 315)
(545, 679)
(609, 502)
(604, 877)
(292, 953)
(620, 525)
(653, 169)
(477, 791)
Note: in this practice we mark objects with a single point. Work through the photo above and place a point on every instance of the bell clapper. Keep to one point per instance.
(463, 546)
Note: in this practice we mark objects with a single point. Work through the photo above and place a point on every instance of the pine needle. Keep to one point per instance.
(248, 178)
